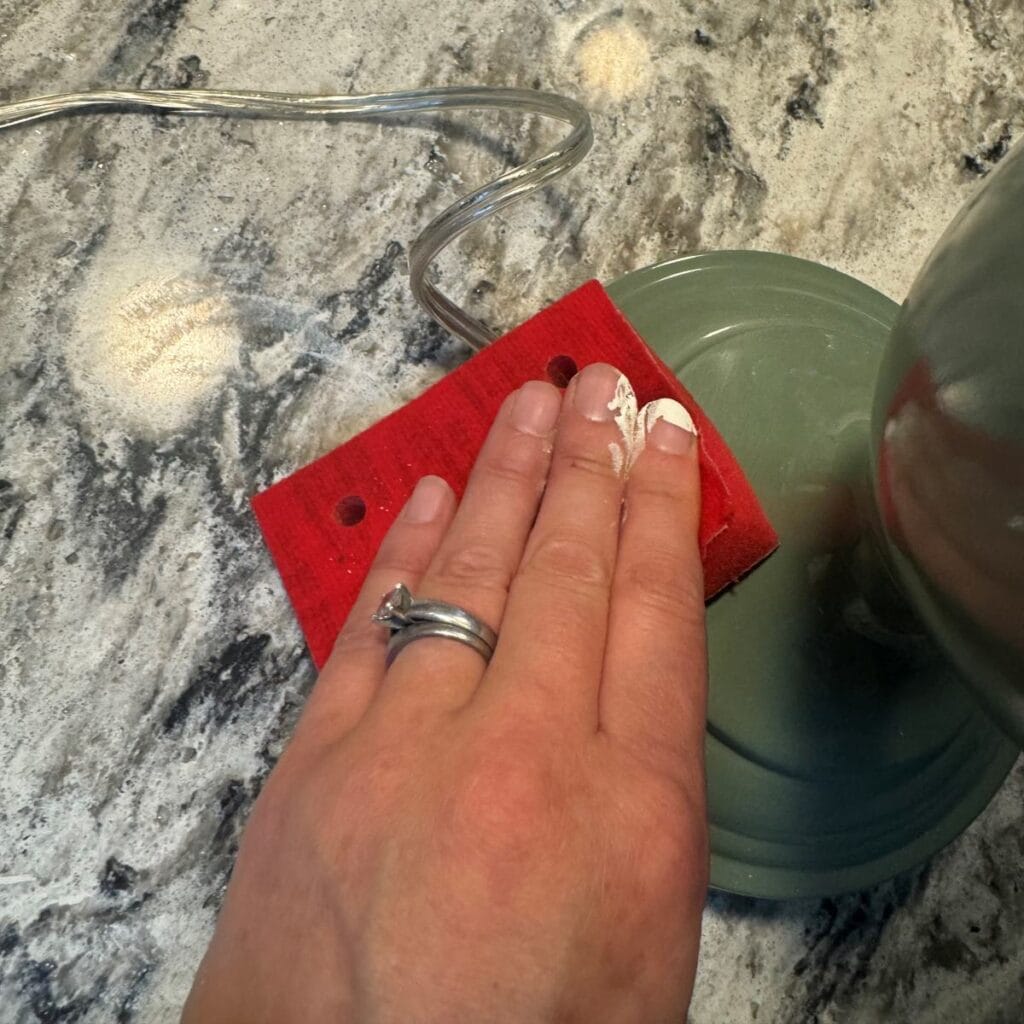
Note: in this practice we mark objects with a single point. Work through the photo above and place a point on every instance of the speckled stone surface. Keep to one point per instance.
(191, 309)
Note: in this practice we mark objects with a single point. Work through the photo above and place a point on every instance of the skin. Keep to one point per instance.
(521, 841)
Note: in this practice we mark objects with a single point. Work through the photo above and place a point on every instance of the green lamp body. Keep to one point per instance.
(949, 440)
(846, 738)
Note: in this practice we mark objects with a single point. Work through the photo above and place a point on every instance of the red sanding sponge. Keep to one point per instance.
(308, 518)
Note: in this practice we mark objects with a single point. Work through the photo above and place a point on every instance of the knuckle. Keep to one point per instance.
(562, 559)
(656, 488)
(663, 588)
(477, 562)
(514, 464)
(398, 559)
(588, 462)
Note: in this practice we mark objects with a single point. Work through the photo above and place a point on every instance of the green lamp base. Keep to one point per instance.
(841, 749)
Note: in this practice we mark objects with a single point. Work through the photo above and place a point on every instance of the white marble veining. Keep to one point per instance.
(150, 668)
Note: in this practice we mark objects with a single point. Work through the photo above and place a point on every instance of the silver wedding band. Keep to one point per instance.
(411, 619)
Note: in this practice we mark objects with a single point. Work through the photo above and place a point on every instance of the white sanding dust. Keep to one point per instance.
(623, 405)
(155, 349)
(662, 409)
(634, 425)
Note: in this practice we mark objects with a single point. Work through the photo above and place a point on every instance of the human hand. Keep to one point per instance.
(521, 841)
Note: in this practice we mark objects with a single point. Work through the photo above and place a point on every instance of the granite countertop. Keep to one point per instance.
(190, 309)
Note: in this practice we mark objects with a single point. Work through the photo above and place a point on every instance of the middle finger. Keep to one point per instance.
(550, 654)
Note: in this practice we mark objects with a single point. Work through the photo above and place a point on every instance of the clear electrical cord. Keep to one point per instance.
(495, 195)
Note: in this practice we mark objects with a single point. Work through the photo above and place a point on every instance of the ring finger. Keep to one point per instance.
(480, 554)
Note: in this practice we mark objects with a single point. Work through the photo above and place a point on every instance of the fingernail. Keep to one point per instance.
(594, 391)
(668, 426)
(427, 501)
(535, 408)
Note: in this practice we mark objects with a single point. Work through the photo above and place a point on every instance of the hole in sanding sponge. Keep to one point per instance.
(351, 510)
(561, 370)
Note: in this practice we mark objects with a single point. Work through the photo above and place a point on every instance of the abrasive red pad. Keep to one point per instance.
(311, 519)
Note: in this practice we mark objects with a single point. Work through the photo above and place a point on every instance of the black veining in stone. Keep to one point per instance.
(462, 55)
(717, 133)
(190, 73)
(365, 297)
(153, 24)
(126, 1011)
(985, 158)
(244, 255)
(425, 341)
(803, 104)
(37, 985)
(233, 798)
(117, 878)
(9, 938)
(222, 685)
(12, 508)
(342, 317)
(112, 496)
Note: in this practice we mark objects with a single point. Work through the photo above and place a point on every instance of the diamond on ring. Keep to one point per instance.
(393, 607)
